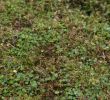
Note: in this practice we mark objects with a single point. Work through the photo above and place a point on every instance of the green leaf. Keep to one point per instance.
(33, 83)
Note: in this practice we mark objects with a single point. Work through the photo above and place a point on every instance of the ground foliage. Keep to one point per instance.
(55, 49)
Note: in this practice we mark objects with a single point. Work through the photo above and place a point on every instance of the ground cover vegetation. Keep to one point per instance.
(55, 49)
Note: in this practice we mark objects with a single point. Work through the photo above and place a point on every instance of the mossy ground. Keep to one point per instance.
(54, 50)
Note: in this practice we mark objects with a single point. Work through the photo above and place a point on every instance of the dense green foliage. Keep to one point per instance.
(55, 49)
